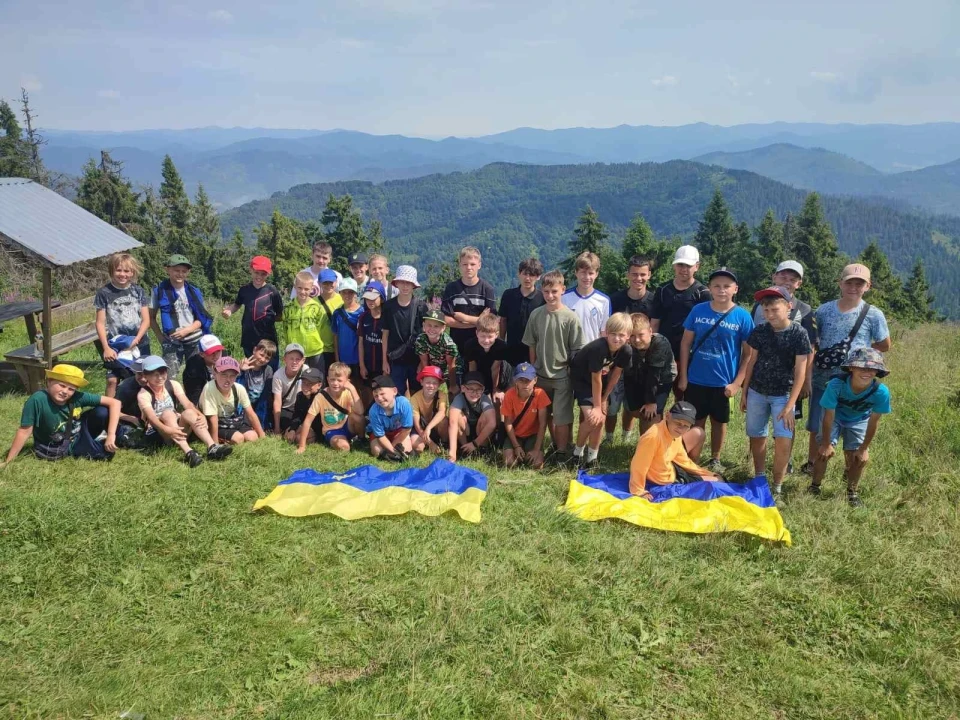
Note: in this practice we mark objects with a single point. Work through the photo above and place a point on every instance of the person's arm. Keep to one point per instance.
(184, 331)
(230, 309)
(383, 348)
(882, 345)
(533, 355)
(19, 440)
(541, 430)
(495, 378)
(336, 346)
(276, 412)
(512, 436)
(144, 326)
(109, 353)
(181, 397)
(113, 418)
(799, 371)
(860, 454)
(482, 437)
(596, 390)
(214, 422)
(684, 360)
(747, 376)
(454, 429)
(648, 444)
(612, 383)
(157, 330)
(424, 361)
(826, 428)
(452, 374)
(304, 432)
(503, 328)
(437, 418)
(363, 366)
(733, 388)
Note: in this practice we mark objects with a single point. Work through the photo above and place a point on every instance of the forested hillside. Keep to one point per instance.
(512, 211)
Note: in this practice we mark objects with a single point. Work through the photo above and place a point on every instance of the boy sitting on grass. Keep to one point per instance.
(525, 417)
(310, 383)
(227, 406)
(390, 423)
(852, 405)
(256, 375)
(595, 371)
(472, 418)
(429, 411)
(339, 409)
(58, 423)
(285, 386)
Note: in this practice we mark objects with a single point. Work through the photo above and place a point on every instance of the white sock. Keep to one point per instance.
(577, 450)
(592, 454)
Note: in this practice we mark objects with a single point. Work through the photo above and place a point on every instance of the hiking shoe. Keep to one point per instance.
(218, 451)
(714, 466)
(193, 458)
(392, 456)
(854, 500)
(590, 464)
(807, 468)
(563, 458)
(790, 467)
(814, 490)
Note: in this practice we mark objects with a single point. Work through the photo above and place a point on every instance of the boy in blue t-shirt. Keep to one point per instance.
(852, 405)
(711, 364)
(345, 321)
(390, 422)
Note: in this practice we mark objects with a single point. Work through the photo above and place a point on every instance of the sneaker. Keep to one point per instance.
(607, 439)
(193, 458)
(391, 456)
(807, 468)
(714, 466)
(790, 467)
(590, 464)
(563, 458)
(814, 490)
(854, 500)
(218, 451)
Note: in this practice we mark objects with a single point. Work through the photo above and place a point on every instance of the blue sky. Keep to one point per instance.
(444, 67)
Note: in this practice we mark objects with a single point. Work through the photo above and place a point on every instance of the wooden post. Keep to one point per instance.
(46, 322)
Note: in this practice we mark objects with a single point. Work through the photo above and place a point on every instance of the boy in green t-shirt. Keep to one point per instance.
(60, 427)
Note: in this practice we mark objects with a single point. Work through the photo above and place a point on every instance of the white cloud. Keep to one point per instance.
(824, 76)
(108, 94)
(665, 81)
(31, 83)
(220, 16)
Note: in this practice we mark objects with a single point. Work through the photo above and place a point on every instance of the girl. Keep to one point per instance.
(123, 314)
(227, 406)
(429, 411)
(158, 401)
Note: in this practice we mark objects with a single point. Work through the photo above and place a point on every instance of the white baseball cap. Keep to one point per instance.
(348, 284)
(686, 255)
(790, 265)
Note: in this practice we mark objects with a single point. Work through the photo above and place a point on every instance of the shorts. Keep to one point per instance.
(634, 401)
(852, 434)
(815, 417)
(287, 420)
(709, 402)
(223, 437)
(526, 443)
(338, 432)
(760, 408)
(390, 435)
(560, 392)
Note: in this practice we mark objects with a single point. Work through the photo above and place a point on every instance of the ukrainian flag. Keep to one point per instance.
(368, 491)
(700, 507)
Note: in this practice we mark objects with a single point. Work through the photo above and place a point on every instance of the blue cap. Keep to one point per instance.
(524, 371)
(152, 362)
(327, 275)
(375, 286)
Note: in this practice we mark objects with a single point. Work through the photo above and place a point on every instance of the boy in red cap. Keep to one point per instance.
(262, 306)
(429, 411)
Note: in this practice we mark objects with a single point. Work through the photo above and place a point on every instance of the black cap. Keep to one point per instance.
(358, 259)
(683, 410)
(312, 375)
(724, 271)
(473, 377)
(383, 381)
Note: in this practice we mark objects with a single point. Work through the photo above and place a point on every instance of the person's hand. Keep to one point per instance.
(452, 455)
(386, 368)
(826, 451)
(535, 457)
(246, 364)
(130, 420)
(226, 312)
(363, 371)
(498, 397)
(743, 403)
(731, 390)
(109, 354)
(110, 444)
(521, 455)
(645, 494)
(175, 434)
(709, 477)
(299, 450)
(786, 415)
(861, 456)
(605, 407)
(682, 384)
(807, 389)
(261, 434)
(649, 411)
(468, 448)
(434, 448)
(596, 415)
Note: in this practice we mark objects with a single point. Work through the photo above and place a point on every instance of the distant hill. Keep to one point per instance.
(513, 211)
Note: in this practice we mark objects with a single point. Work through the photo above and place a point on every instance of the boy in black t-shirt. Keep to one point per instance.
(674, 301)
(402, 323)
(465, 299)
(516, 304)
(262, 306)
(485, 354)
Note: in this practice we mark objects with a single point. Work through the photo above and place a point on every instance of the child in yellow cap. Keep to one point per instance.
(55, 417)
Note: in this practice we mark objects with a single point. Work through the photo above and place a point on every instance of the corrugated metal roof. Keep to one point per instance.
(56, 230)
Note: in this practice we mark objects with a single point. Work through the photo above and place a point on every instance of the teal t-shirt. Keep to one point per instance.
(851, 407)
(46, 417)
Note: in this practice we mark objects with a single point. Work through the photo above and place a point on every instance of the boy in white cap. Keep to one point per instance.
(402, 323)
(346, 319)
(673, 301)
(198, 370)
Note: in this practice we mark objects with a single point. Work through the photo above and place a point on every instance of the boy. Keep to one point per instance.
(525, 418)
(485, 354)
(322, 255)
(183, 318)
(852, 405)
(358, 268)
(60, 427)
(123, 311)
(302, 319)
(648, 379)
(429, 411)
(434, 346)
(285, 386)
(390, 422)
(346, 320)
(339, 409)
(472, 418)
(380, 271)
(663, 452)
(199, 369)
(594, 371)
(310, 383)
(402, 323)
(262, 307)
(554, 334)
(516, 304)
(329, 300)
(227, 406)
(256, 375)
(842, 325)
(711, 367)
(465, 299)
(591, 306)
(673, 302)
(773, 376)
(370, 339)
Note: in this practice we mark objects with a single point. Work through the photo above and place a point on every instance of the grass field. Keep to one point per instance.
(143, 586)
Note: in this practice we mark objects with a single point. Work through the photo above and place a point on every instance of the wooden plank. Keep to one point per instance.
(46, 322)
(84, 305)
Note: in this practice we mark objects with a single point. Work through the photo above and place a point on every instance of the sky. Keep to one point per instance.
(435, 68)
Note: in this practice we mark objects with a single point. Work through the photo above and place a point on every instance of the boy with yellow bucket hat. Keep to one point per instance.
(59, 424)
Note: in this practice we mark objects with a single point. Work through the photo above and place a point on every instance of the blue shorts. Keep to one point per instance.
(760, 408)
(344, 431)
(815, 417)
(852, 434)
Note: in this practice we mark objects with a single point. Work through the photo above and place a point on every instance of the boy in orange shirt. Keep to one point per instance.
(525, 415)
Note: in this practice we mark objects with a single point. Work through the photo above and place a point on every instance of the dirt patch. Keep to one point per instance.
(335, 676)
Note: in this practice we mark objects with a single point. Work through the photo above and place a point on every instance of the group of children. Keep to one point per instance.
(366, 356)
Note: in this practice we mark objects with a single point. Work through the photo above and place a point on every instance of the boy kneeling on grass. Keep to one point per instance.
(429, 411)
(472, 418)
(60, 427)
(390, 422)
(525, 418)
(852, 405)
(339, 408)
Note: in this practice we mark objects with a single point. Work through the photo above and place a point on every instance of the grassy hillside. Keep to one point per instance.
(511, 211)
(145, 586)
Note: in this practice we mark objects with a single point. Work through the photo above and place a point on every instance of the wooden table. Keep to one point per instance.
(25, 309)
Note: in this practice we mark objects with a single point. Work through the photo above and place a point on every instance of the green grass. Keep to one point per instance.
(142, 585)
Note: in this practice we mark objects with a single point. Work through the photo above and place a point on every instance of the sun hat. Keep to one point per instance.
(358, 259)
(294, 347)
(434, 315)
(312, 375)
(723, 272)
(686, 255)
(683, 410)
(524, 371)
(374, 290)
(175, 260)
(777, 291)
(261, 263)
(327, 275)
(473, 378)
(407, 273)
(430, 371)
(209, 344)
(383, 381)
(67, 374)
(790, 265)
(348, 284)
(153, 362)
(868, 359)
(227, 364)
(855, 271)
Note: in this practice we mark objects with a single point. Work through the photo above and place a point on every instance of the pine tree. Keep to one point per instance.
(917, 291)
(613, 271)
(104, 192)
(32, 142)
(770, 243)
(747, 262)
(886, 289)
(640, 240)
(588, 236)
(716, 235)
(789, 233)
(284, 241)
(174, 197)
(14, 159)
(814, 245)
(344, 229)
(205, 240)
(228, 269)
(151, 232)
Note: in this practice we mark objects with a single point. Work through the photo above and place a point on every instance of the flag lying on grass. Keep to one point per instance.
(700, 507)
(368, 491)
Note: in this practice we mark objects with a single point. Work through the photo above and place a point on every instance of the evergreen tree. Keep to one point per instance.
(814, 245)
(886, 289)
(375, 240)
(437, 276)
(174, 197)
(104, 192)
(229, 268)
(770, 243)
(747, 262)
(151, 232)
(789, 233)
(205, 241)
(588, 236)
(917, 291)
(639, 239)
(284, 241)
(613, 271)
(32, 141)
(716, 235)
(344, 229)
(14, 159)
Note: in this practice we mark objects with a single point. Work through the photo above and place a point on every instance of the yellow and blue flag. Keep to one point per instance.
(698, 507)
(368, 491)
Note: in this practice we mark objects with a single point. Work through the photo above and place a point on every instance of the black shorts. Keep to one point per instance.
(225, 436)
(527, 443)
(709, 402)
(634, 401)
(583, 392)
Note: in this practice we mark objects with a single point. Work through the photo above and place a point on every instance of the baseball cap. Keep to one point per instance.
(174, 260)
(348, 284)
(683, 410)
(374, 290)
(327, 275)
(261, 263)
(473, 378)
(383, 381)
(430, 371)
(312, 375)
(855, 271)
(686, 255)
(435, 316)
(723, 272)
(790, 265)
(227, 364)
(294, 347)
(524, 371)
(152, 362)
(358, 259)
(777, 291)
(209, 344)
